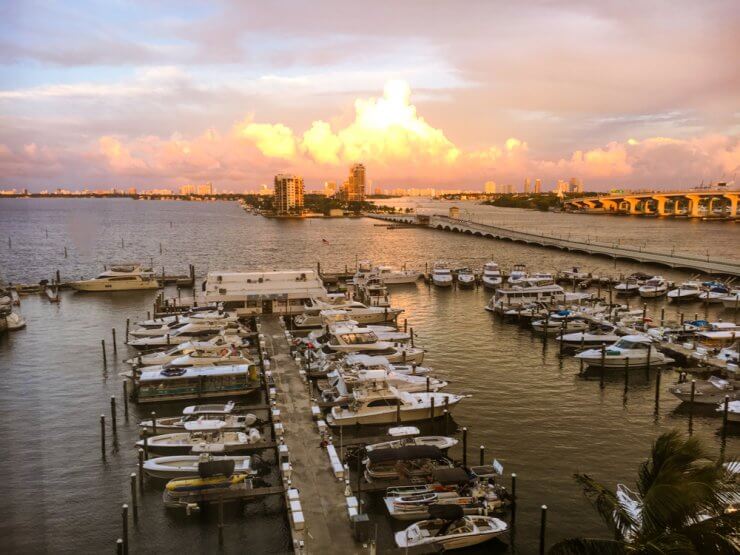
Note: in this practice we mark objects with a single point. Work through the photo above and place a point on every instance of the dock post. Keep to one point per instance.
(146, 447)
(405, 325)
(482, 454)
(603, 364)
(154, 423)
(141, 469)
(447, 421)
(128, 322)
(644, 313)
(465, 447)
(427, 384)
(543, 524)
(657, 389)
(626, 374)
(119, 546)
(431, 410)
(124, 521)
(113, 413)
(58, 278)
(125, 399)
(691, 406)
(398, 414)
(724, 416)
(113, 333)
(148, 315)
(412, 338)
(102, 434)
(681, 320)
(105, 360)
(562, 333)
(513, 488)
(134, 497)
(647, 363)
(662, 316)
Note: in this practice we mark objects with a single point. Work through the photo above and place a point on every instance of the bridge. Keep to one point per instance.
(687, 204)
(614, 251)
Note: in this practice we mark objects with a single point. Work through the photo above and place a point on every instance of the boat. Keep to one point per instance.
(124, 277)
(193, 315)
(525, 293)
(465, 278)
(595, 335)
(182, 384)
(559, 322)
(441, 275)
(15, 321)
(343, 382)
(199, 358)
(633, 347)
(415, 462)
(216, 481)
(391, 276)
(575, 273)
(203, 436)
(189, 332)
(449, 528)
(358, 362)
(409, 435)
(225, 412)
(352, 339)
(220, 346)
(706, 392)
(686, 291)
(518, 273)
(732, 300)
(181, 466)
(733, 410)
(388, 405)
(170, 328)
(356, 310)
(491, 275)
(654, 287)
(631, 285)
(384, 333)
(714, 292)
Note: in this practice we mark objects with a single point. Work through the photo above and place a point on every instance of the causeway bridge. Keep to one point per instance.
(688, 204)
(670, 259)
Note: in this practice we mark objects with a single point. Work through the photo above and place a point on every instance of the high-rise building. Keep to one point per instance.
(288, 193)
(186, 190)
(330, 188)
(489, 188)
(576, 186)
(205, 189)
(509, 189)
(353, 188)
(527, 185)
(537, 186)
(562, 187)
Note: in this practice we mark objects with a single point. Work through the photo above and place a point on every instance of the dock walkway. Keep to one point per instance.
(327, 526)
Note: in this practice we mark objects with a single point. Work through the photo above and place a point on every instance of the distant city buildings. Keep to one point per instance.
(489, 188)
(537, 186)
(330, 188)
(527, 185)
(576, 185)
(562, 187)
(288, 193)
(353, 189)
(186, 190)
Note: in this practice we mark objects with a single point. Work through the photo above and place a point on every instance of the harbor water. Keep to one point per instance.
(529, 406)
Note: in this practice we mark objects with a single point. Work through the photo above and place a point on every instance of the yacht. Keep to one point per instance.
(203, 436)
(525, 293)
(441, 275)
(706, 392)
(654, 287)
(631, 284)
(384, 333)
(390, 405)
(465, 278)
(181, 466)
(409, 435)
(196, 382)
(209, 486)
(130, 277)
(632, 347)
(559, 322)
(173, 326)
(450, 528)
(350, 339)
(190, 317)
(575, 273)
(357, 362)
(221, 345)
(518, 273)
(14, 321)
(596, 335)
(390, 276)
(714, 292)
(225, 412)
(357, 311)
(343, 382)
(189, 332)
(491, 275)
(686, 291)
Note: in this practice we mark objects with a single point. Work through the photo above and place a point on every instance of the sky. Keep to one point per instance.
(425, 93)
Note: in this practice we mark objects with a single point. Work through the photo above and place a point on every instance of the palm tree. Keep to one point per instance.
(680, 506)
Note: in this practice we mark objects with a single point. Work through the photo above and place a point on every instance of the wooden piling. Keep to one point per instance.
(124, 522)
(626, 373)
(412, 338)
(657, 389)
(482, 454)
(65, 252)
(405, 325)
(113, 333)
(662, 316)
(125, 399)
(513, 488)
(465, 447)
(128, 323)
(154, 423)
(431, 408)
(105, 359)
(102, 434)
(543, 524)
(134, 497)
(119, 546)
(446, 415)
(113, 413)
(603, 365)
(428, 384)
(141, 468)
(146, 447)
(724, 416)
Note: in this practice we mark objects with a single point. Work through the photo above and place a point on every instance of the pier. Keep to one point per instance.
(613, 251)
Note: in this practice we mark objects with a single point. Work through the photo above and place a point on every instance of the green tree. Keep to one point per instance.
(680, 506)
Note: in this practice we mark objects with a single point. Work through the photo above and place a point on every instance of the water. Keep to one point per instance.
(529, 407)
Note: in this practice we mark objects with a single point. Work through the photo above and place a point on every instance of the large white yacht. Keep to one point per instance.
(685, 291)
(518, 273)
(357, 311)
(632, 347)
(441, 275)
(189, 332)
(523, 293)
(343, 383)
(491, 275)
(390, 276)
(131, 277)
(218, 346)
(656, 286)
(352, 339)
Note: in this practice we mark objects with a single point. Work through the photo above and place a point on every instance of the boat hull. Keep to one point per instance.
(98, 286)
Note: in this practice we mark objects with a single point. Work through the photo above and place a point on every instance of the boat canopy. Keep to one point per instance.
(205, 425)
(409, 452)
(403, 431)
(209, 409)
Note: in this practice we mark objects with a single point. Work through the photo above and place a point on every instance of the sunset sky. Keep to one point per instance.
(425, 93)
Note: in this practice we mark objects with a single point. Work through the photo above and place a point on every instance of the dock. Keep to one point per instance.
(327, 526)
(613, 251)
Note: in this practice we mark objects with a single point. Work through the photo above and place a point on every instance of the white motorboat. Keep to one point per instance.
(189, 332)
(208, 359)
(732, 300)
(491, 275)
(203, 436)
(171, 327)
(15, 321)
(367, 362)
(196, 382)
(575, 273)
(332, 322)
(220, 346)
(190, 318)
(524, 293)
(596, 335)
(391, 276)
(686, 291)
(559, 322)
(225, 412)
(181, 466)
(706, 392)
(465, 278)
(449, 528)
(343, 382)
(633, 347)
(390, 405)
(656, 286)
(357, 311)
(352, 339)
(124, 277)
(629, 286)
(409, 435)
(714, 293)
(733, 410)
(518, 273)
(441, 275)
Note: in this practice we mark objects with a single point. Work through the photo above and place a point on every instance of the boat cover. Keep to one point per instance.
(446, 511)
(447, 476)
(216, 468)
(406, 453)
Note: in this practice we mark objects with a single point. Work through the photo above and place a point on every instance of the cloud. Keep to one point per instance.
(273, 140)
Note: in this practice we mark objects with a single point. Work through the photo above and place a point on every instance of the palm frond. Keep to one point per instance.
(587, 546)
(607, 505)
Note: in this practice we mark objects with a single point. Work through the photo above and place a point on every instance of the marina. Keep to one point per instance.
(322, 500)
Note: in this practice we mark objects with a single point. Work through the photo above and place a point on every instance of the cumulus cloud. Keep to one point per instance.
(273, 140)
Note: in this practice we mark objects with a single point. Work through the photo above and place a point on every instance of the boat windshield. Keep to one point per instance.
(627, 344)
(359, 338)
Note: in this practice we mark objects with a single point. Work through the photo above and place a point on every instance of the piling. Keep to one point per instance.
(398, 415)
(681, 320)
(447, 421)
(59, 279)
(724, 417)
(427, 384)
(465, 447)
(431, 408)
(513, 488)
(65, 252)
(482, 454)
(626, 373)
(146, 447)
(102, 434)
(405, 325)
(644, 312)
(412, 338)
(662, 316)
(691, 407)
(134, 497)
(647, 363)
(141, 469)
(113, 333)
(119, 546)
(154, 423)
(113, 413)
(124, 521)
(543, 524)
(657, 390)
(603, 365)
(105, 360)
(125, 400)
(128, 322)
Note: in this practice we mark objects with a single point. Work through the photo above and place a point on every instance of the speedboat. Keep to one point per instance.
(389, 405)
(441, 275)
(706, 392)
(632, 347)
(491, 275)
(631, 284)
(351, 339)
(129, 277)
(203, 436)
(450, 528)
(409, 435)
(358, 362)
(654, 287)
(219, 346)
(688, 290)
(596, 335)
(417, 462)
(714, 292)
(15, 321)
(518, 273)
(189, 332)
(390, 276)
(224, 412)
(174, 325)
(574, 273)
(181, 466)
(190, 318)
(562, 321)
(465, 278)
(216, 481)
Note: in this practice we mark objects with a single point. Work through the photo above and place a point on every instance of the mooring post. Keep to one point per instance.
(626, 373)
(681, 315)
(146, 447)
(603, 365)
(398, 414)
(644, 313)
(427, 384)
(405, 325)
(431, 409)
(125, 399)
(105, 360)
(447, 421)
(134, 497)
(724, 416)
(124, 521)
(113, 333)
(128, 322)
(657, 389)
(154, 423)
(562, 334)
(513, 488)
(102, 434)
(119, 546)
(141, 469)
(465, 447)
(412, 338)
(543, 524)
(647, 362)
(113, 413)
(662, 316)
(482, 454)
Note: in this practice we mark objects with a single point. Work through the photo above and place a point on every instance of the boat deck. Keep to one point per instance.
(327, 527)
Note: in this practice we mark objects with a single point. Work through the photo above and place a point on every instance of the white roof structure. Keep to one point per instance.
(287, 284)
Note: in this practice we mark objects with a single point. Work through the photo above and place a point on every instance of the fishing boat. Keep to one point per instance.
(449, 528)
(636, 348)
(225, 412)
(389, 405)
(656, 286)
(124, 277)
(465, 278)
(197, 382)
(203, 436)
(686, 291)
(441, 275)
(706, 392)
(491, 275)
(181, 466)
(409, 435)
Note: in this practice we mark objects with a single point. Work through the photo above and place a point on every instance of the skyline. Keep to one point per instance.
(140, 95)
